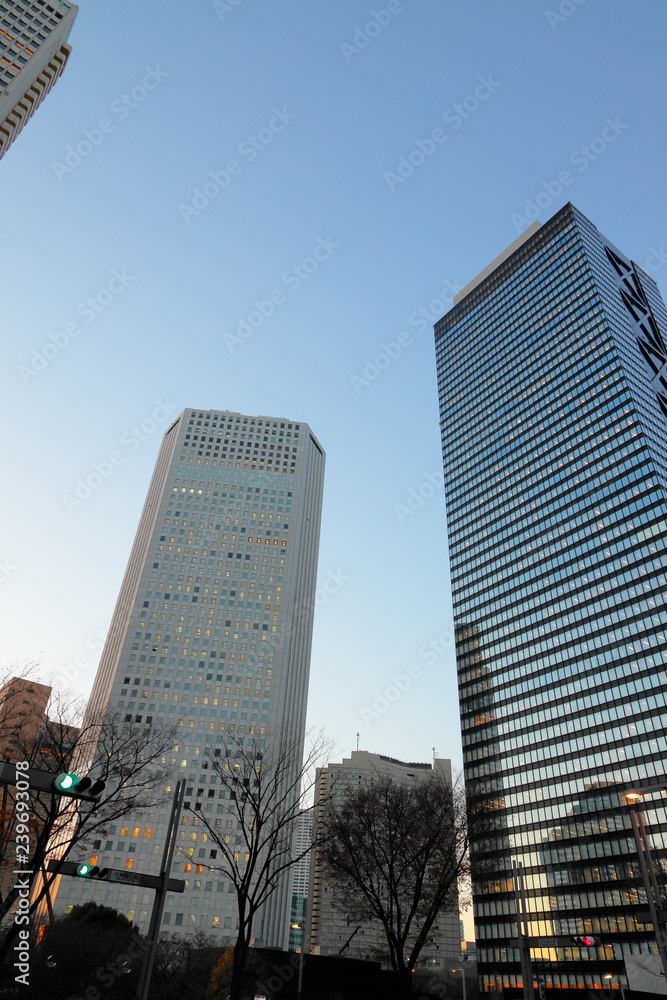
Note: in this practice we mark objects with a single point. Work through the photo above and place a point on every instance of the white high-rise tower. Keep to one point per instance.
(33, 55)
(212, 631)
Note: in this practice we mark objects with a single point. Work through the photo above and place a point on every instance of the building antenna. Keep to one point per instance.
(357, 742)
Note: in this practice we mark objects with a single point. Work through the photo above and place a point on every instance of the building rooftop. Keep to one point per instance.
(490, 268)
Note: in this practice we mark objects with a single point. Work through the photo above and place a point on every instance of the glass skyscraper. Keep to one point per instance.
(553, 400)
(211, 633)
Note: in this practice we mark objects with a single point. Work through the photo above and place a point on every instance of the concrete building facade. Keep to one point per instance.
(33, 56)
(300, 879)
(328, 931)
(28, 734)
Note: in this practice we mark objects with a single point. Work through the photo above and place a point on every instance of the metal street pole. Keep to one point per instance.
(48, 895)
(160, 895)
(522, 928)
(463, 978)
(620, 984)
(298, 991)
(650, 881)
(299, 926)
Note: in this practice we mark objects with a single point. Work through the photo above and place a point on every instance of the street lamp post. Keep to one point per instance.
(522, 930)
(632, 795)
(620, 985)
(297, 927)
(463, 979)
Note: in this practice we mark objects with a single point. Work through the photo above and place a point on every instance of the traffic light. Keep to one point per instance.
(65, 782)
(87, 871)
(78, 788)
(91, 871)
(584, 939)
(88, 789)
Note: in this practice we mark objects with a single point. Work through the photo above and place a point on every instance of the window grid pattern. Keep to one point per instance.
(554, 448)
(33, 56)
(24, 26)
(215, 638)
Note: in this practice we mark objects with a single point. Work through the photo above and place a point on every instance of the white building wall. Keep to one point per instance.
(212, 630)
(33, 55)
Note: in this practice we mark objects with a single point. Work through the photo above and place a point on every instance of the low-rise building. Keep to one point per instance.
(328, 930)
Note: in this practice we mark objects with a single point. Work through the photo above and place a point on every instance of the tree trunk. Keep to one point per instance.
(238, 966)
(13, 928)
(405, 982)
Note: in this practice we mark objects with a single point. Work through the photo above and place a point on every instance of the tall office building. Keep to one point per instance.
(328, 931)
(212, 630)
(553, 401)
(300, 878)
(33, 55)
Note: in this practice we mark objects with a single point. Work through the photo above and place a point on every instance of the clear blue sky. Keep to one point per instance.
(317, 173)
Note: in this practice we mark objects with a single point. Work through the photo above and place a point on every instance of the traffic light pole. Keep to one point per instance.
(69, 785)
(121, 875)
(160, 895)
(48, 895)
(522, 928)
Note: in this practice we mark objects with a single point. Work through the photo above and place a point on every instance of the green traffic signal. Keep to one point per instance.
(88, 871)
(79, 788)
(66, 782)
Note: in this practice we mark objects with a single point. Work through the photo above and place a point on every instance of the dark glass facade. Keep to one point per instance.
(554, 438)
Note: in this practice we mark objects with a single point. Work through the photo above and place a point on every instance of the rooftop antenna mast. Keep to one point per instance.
(357, 742)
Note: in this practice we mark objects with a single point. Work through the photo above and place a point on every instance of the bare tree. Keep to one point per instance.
(268, 787)
(189, 968)
(128, 757)
(395, 854)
